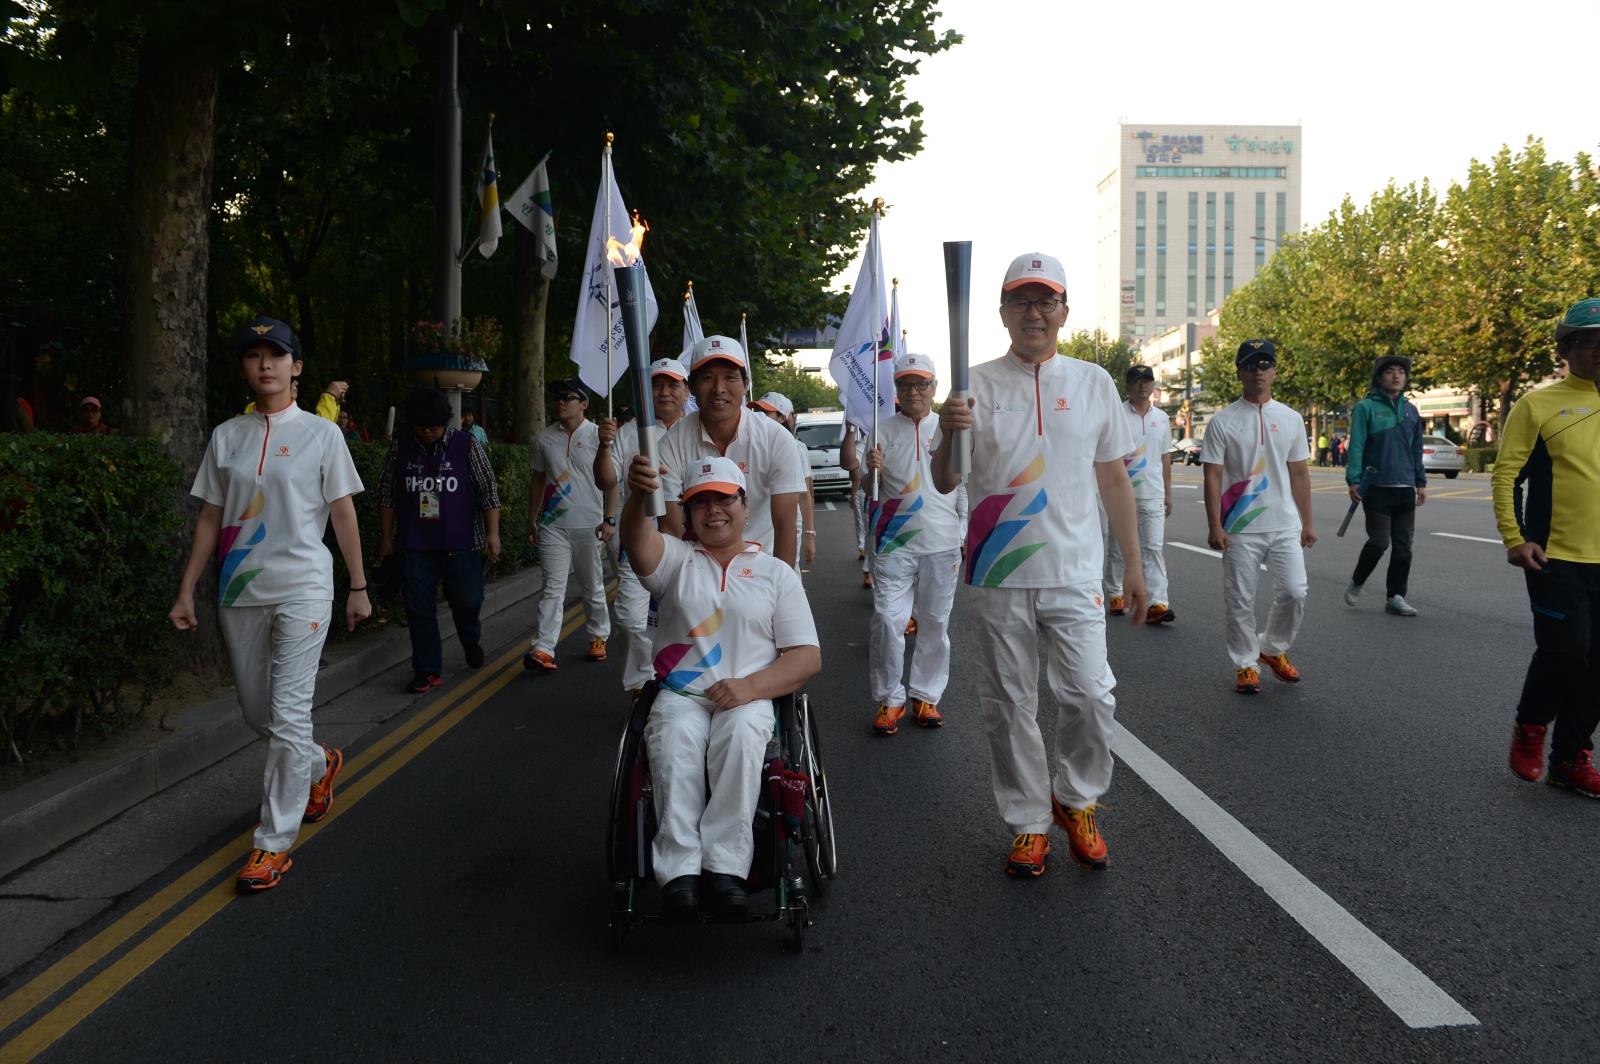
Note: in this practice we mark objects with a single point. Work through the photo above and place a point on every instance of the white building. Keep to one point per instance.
(1186, 215)
(1174, 355)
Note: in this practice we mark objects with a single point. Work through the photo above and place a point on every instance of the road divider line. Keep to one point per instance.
(1188, 487)
(1399, 984)
(1202, 550)
(1475, 539)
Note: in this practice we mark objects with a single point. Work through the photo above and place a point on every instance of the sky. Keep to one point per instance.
(1018, 118)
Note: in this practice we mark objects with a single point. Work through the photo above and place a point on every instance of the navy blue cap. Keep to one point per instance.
(270, 330)
(570, 385)
(1137, 372)
(1253, 349)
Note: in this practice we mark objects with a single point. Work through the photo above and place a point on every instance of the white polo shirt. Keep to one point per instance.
(571, 497)
(1152, 439)
(624, 448)
(1039, 430)
(1253, 444)
(714, 623)
(764, 450)
(912, 518)
(274, 476)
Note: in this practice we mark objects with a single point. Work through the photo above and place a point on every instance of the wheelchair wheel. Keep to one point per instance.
(817, 833)
(631, 814)
(799, 921)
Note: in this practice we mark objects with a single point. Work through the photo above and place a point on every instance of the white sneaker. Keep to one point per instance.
(1399, 607)
(1351, 592)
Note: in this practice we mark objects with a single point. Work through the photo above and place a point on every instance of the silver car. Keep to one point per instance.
(1439, 455)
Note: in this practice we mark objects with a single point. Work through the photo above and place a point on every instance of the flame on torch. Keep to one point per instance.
(620, 254)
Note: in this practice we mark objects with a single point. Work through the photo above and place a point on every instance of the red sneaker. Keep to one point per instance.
(1279, 664)
(1576, 775)
(321, 799)
(1527, 750)
(1247, 681)
(1084, 841)
(926, 714)
(887, 722)
(1027, 855)
(538, 661)
(262, 870)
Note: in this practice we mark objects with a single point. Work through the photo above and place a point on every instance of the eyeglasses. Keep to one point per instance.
(569, 398)
(1044, 306)
(1257, 365)
(916, 384)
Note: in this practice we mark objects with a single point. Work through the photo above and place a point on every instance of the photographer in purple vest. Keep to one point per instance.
(438, 503)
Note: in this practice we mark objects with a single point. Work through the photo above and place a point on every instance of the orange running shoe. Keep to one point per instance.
(866, 580)
(926, 714)
(321, 799)
(262, 870)
(1084, 841)
(1247, 682)
(538, 661)
(1159, 613)
(1118, 605)
(1027, 855)
(887, 722)
(1279, 664)
(597, 649)
(911, 626)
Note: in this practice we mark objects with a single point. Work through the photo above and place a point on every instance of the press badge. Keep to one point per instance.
(428, 501)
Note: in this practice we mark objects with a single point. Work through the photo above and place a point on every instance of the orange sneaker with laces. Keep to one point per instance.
(866, 580)
(262, 870)
(321, 799)
(1118, 605)
(926, 714)
(538, 661)
(1247, 682)
(1027, 855)
(1084, 841)
(887, 722)
(1159, 613)
(1279, 664)
(597, 649)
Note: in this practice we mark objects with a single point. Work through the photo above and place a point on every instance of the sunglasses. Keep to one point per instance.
(1259, 364)
(569, 398)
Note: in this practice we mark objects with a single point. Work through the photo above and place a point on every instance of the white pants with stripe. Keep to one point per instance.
(275, 651)
(563, 551)
(1010, 624)
(705, 765)
(1285, 560)
(1152, 515)
(903, 586)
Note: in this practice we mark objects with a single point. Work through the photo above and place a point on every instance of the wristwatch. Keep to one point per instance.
(612, 521)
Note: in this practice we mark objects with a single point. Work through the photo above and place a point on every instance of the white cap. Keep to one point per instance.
(909, 365)
(714, 474)
(713, 348)
(776, 402)
(1035, 267)
(668, 367)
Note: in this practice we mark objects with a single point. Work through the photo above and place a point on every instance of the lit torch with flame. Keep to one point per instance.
(628, 271)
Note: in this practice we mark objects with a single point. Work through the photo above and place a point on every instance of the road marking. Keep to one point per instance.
(1202, 550)
(1461, 493)
(1398, 983)
(76, 1008)
(1189, 487)
(1475, 539)
(828, 505)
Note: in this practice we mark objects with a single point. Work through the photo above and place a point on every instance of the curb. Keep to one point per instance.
(46, 814)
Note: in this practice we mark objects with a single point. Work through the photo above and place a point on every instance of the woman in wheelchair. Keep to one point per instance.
(733, 631)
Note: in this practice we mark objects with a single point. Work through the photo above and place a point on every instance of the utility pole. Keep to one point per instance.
(447, 195)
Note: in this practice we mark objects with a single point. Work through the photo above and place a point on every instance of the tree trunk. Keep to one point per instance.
(168, 245)
(532, 301)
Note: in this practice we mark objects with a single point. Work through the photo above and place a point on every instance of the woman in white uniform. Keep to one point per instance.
(733, 632)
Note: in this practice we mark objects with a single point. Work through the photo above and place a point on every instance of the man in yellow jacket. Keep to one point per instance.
(1547, 505)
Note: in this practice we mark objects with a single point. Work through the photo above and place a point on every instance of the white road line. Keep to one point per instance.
(1475, 539)
(1398, 983)
(827, 506)
(1201, 550)
(1188, 487)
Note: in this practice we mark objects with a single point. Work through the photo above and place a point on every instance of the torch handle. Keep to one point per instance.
(630, 287)
(656, 504)
(958, 293)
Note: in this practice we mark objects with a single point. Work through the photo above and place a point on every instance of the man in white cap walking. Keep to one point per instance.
(1048, 438)
(780, 409)
(916, 553)
(1149, 468)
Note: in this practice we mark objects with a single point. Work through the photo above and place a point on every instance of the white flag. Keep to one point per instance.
(487, 192)
(597, 337)
(864, 343)
(744, 339)
(692, 332)
(530, 204)
(897, 340)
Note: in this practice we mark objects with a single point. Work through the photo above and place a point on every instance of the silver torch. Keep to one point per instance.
(630, 299)
(958, 291)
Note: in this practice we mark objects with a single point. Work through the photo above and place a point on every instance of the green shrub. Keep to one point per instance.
(1479, 457)
(87, 544)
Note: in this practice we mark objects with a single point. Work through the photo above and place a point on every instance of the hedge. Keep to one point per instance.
(89, 556)
(1477, 458)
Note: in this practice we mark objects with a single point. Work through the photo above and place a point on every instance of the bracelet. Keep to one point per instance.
(809, 532)
(363, 587)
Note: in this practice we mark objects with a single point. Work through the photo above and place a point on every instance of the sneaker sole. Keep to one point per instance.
(1088, 862)
(1168, 619)
(1556, 781)
(1016, 871)
(250, 886)
(332, 773)
(1247, 690)
(533, 665)
(930, 723)
(885, 731)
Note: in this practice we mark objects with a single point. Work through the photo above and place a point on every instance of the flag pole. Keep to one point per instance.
(877, 275)
(610, 280)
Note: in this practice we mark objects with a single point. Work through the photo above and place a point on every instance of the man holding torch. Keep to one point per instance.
(1048, 436)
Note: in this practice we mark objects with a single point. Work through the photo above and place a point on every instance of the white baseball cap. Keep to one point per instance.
(713, 348)
(668, 367)
(1035, 267)
(909, 365)
(777, 403)
(714, 474)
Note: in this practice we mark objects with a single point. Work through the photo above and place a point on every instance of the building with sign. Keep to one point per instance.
(1186, 215)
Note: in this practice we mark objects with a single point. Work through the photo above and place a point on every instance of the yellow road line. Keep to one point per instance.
(49, 982)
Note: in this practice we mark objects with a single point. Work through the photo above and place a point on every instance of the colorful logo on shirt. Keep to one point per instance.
(1239, 501)
(988, 561)
(556, 495)
(1138, 466)
(889, 519)
(670, 666)
(231, 582)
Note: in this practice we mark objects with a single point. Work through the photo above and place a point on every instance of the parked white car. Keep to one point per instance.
(822, 431)
(1439, 455)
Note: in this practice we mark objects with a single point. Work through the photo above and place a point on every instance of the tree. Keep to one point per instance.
(806, 390)
(1114, 355)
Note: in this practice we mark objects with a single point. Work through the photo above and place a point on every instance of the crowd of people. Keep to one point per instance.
(1054, 519)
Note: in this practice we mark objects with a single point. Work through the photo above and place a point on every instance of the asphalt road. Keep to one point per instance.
(454, 907)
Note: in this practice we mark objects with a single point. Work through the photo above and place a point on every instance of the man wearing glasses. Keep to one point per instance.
(1048, 438)
(916, 553)
(568, 520)
(1150, 474)
(1257, 447)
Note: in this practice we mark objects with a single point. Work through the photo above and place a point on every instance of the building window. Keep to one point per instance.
(1138, 253)
(1161, 252)
(1283, 209)
(1211, 250)
(1227, 245)
(1261, 230)
(1250, 172)
(1194, 252)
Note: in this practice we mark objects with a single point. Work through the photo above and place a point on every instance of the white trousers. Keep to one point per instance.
(705, 765)
(633, 615)
(904, 586)
(1009, 625)
(1241, 569)
(1152, 551)
(275, 650)
(561, 551)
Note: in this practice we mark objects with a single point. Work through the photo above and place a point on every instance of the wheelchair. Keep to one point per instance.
(795, 854)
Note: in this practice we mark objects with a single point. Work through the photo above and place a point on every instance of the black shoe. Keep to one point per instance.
(680, 898)
(474, 653)
(728, 898)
